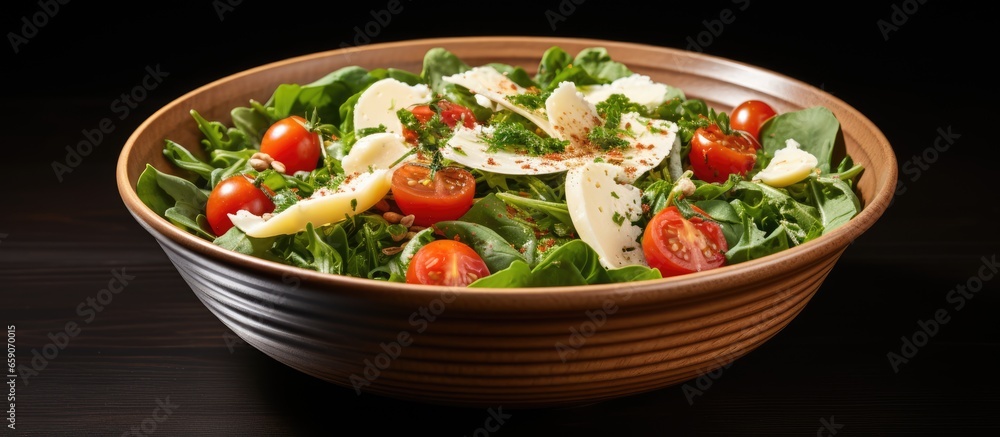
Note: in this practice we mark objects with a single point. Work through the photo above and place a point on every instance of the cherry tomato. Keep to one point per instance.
(289, 142)
(451, 114)
(236, 193)
(750, 115)
(446, 262)
(446, 197)
(715, 155)
(676, 245)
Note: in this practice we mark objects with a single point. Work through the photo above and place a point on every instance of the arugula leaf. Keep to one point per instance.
(183, 158)
(253, 121)
(218, 136)
(174, 198)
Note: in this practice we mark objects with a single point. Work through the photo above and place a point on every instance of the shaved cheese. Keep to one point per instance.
(572, 116)
(376, 151)
(490, 83)
(602, 211)
(357, 194)
(638, 88)
(378, 104)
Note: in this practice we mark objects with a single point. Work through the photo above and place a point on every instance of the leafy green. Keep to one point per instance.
(183, 158)
(515, 137)
(439, 63)
(491, 212)
(234, 239)
(816, 129)
(598, 64)
(573, 263)
(174, 198)
(497, 252)
(218, 136)
(554, 60)
(325, 96)
(517, 75)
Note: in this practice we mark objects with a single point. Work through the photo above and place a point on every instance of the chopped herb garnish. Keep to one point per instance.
(354, 204)
(618, 218)
(370, 130)
(530, 100)
(615, 195)
(609, 136)
(515, 137)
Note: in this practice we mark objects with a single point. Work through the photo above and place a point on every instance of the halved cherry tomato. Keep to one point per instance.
(676, 245)
(446, 262)
(715, 155)
(446, 197)
(451, 114)
(289, 142)
(234, 194)
(750, 115)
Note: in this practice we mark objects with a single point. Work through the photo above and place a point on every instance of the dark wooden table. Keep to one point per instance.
(152, 359)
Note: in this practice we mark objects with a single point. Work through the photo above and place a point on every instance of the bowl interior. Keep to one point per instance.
(721, 83)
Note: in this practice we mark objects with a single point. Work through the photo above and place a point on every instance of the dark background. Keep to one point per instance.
(59, 241)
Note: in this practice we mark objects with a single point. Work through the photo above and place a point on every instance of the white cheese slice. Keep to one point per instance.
(638, 88)
(378, 104)
(492, 84)
(650, 143)
(603, 210)
(788, 166)
(572, 117)
(376, 151)
(357, 194)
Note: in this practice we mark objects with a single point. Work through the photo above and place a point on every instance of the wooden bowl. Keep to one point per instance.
(511, 347)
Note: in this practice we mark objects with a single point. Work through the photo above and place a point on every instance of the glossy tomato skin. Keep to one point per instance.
(750, 115)
(677, 246)
(234, 194)
(715, 155)
(447, 197)
(446, 262)
(451, 115)
(289, 142)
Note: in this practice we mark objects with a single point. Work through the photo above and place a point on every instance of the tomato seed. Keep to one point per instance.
(674, 247)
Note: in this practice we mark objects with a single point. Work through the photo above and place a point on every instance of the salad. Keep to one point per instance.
(490, 176)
